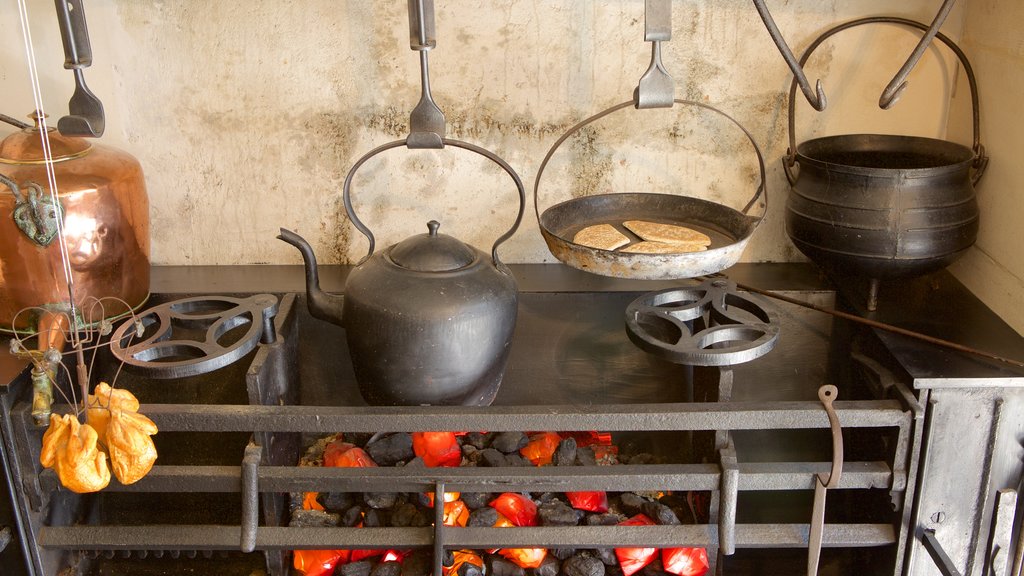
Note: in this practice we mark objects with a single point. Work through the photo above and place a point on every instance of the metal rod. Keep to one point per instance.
(14, 122)
(250, 497)
(637, 417)
(884, 326)
(895, 88)
(438, 529)
(750, 476)
(815, 97)
(817, 529)
(939, 556)
(827, 394)
(220, 537)
(727, 509)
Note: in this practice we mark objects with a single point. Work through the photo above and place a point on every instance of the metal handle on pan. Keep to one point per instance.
(346, 190)
(980, 159)
(761, 191)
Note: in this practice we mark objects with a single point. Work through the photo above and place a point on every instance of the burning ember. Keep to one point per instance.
(429, 449)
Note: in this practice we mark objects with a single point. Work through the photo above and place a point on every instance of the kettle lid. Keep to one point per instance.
(26, 147)
(432, 252)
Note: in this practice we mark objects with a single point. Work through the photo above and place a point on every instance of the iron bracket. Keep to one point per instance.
(730, 483)
(656, 88)
(250, 497)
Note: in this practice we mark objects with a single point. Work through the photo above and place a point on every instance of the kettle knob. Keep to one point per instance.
(432, 227)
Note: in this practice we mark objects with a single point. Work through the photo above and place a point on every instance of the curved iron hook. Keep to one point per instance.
(980, 157)
(816, 97)
(898, 84)
(15, 189)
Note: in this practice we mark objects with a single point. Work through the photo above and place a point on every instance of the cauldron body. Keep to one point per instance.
(882, 206)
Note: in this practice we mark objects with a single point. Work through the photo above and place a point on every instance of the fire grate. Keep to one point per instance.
(66, 530)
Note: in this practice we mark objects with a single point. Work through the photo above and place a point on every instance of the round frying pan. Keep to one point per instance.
(729, 229)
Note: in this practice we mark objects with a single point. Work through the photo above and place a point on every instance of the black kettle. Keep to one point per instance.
(428, 320)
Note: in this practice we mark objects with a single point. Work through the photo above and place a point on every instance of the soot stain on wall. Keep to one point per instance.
(590, 165)
(470, 123)
(329, 143)
(335, 231)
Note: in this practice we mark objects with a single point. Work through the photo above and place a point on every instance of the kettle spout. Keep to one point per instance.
(321, 305)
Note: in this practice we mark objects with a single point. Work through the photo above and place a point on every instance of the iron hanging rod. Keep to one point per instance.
(815, 97)
(898, 84)
(883, 326)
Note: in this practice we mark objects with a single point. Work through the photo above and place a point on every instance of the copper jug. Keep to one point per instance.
(104, 209)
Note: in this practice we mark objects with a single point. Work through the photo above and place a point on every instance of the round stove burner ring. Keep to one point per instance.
(707, 325)
(194, 336)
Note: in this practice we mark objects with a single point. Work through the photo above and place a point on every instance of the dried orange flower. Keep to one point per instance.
(132, 452)
(71, 450)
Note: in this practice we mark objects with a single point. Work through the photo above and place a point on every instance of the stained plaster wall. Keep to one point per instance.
(994, 268)
(247, 116)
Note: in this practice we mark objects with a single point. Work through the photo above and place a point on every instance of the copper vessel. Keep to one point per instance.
(104, 209)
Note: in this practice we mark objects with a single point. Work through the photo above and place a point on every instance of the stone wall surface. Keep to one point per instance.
(994, 268)
(247, 116)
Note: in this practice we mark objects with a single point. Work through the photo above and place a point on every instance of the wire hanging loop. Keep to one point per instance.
(815, 97)
(656, 88)
(898, 84)
(426, 122)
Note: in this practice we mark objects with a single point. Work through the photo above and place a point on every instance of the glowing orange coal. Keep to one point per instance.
(541, 448)
(518, 510)
(463, 557)
(437, 448)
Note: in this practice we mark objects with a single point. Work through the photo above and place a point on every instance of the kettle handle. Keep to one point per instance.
(980, 158)
(347, 197)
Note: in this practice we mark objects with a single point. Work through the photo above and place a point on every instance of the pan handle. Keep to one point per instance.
(347, 196)
(760, 193)
(980, 158)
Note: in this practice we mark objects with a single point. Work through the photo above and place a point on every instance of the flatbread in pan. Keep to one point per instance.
(601, 236)
(667, 233)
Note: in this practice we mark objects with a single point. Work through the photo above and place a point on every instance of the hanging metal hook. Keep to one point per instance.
(426, 122)
(656, 88)
(816, 97)
(85, 111)
(822, 482)
(15, 189)
(898, 84)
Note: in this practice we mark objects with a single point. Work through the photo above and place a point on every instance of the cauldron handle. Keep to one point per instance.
(980, 159)
(347, 196)
(761, 192)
